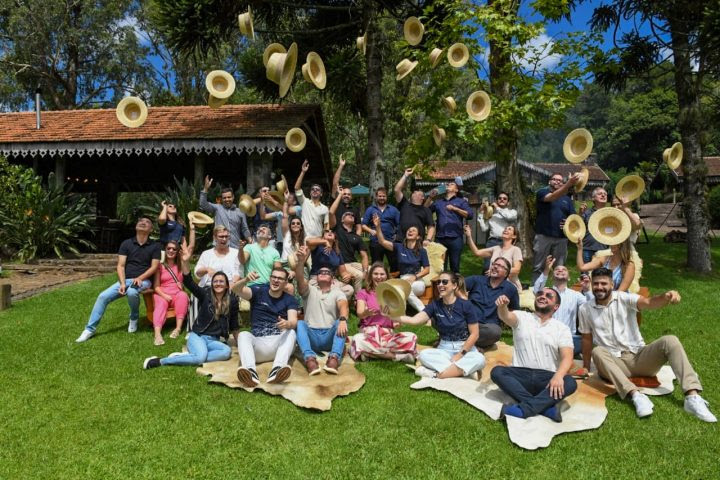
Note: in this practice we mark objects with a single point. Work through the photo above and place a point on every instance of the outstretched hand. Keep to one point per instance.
(502, 301)
(208, 183)
(305, 166)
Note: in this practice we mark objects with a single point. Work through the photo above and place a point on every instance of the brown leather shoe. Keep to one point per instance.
(312, 366)
(331, 365)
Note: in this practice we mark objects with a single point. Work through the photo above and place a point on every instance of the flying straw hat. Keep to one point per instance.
(478, 105)
(361, 43)
(458, 55)
(489, 210)
(295, 139)
(578, 145)
(673, 156)
(132, 112)
(200, 219)
(404, 68)
(282, 185)
(270, 49)
(449, 104)
(609, 225)
(246, 24)
(220, 84)
(280, 68)
(584, 177)
(435, 56)
(216, 102)
(438, 135)
(247, 205)
(413, 30)
(574, 228)
(279, 198)
(313, 70)
(393, 293)
(629, 188)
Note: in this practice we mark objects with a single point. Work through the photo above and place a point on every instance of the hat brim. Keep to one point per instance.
(124, 118)
(247, 205)
(406, 72)
(458, 62)
(484, 113)
(315, 70)
(214, 91)
(436, 57)
(610, 226)
(578, 145)
(393, 294)
(290, 137)
(574, 228)
(584, 177)
(629, 188)
(270, 49)
(413, 31)
(675, 156)
(438, 135)
(200, 219)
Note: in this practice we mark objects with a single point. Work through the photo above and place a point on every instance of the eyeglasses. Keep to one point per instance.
(276, 278)
(500, 265)
(223, 236)
(324, 272)
(171, 249)
(503, 198)
(444, 281)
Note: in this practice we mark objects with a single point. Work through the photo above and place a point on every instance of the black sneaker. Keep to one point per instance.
(279, 374)
(151, 362)
(248, 377)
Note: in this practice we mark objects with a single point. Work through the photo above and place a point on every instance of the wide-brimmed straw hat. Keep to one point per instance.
(413, 31)
(280, 68)
(278, 198)
(489, 210)
(313, 70)
(435, 56)
(609, 225)
(584, 177)
(282, 185)
(404, 68)
(361, 43)
(199, 219)
(578, 145)
(478, 105)
(131, 112)
(270, 49)
(295, 139)
(393, 293)
(220, 84)
(449, 104)
(438, 135)
(246, 24)
(247, 205)
(216, 102)
(458, 55)
(673, 156)
(574, 228)
(629, 188)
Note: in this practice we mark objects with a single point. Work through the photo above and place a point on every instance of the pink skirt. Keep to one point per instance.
(380, 340)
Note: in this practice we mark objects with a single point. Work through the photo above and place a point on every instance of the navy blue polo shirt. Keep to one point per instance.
(320, 258)
(483, 296)
(450, 224)
(551, 214)
(389, 221)
(171, 231)
(407, 261)
(139, 257)
(266, 310)
(451, 321)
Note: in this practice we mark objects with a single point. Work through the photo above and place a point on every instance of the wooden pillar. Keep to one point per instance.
(199, 172)
(259, 167)
(60, 170)
(5, 292)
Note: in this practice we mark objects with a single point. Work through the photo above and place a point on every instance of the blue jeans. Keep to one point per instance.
(440, 358)
(110, 295)
(587, 255)
(201, 349)
(528, 386)
(454, 249)
(577, 345)
(312, 340)
(491, 242)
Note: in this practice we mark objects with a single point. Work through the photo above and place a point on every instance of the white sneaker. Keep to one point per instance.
(132, 326)
(643, 405)
(422, 371)
(84, 336)
(698, 406)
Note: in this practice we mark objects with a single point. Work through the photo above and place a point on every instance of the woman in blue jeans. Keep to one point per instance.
(217, 318)
(456, 320)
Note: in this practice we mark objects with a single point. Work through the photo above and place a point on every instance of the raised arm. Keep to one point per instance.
(332, 218)
(596, 262)
(400, 185)
(241, 289)
(162, 216)
(301, 256)
(627, 277)
(191, 229)
(420, 318)
(303, 170)
(386, 244)
(658, 301)
(635, 220)
(335, 189)
(204, 204)
(484, 253)
(540, 282)
(504, 312)
(563, 190)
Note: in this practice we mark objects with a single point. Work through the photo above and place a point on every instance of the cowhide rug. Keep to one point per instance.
(316, 392)
(584, 410)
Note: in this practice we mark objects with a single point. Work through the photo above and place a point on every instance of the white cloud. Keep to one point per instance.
(131, 21)
(538, 56)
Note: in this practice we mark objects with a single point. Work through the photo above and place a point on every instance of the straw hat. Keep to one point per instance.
(246, 24)
(279, 198)
(629, 188)
(295, 139)
(313, 70)
(489, 210)
(270, 49)
(247, 205)
(449, 104)
(393, 293)
(220, 84)
(216, 102)
(282, 185)
(478, 105)
(578, 145)
(132, 112)
(413, 30)
(458, 55)
(584, 177)
(438, 135)
(574, 228)
(281, 68)
(361, 43)
(673, 156)
(435, 56)
(609, 225)
(199, 219)
(404, 68)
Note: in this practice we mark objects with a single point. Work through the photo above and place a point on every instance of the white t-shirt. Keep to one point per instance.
(229, 264)
(613, 326)
(537, 345)
(314, 217)
(321, 309)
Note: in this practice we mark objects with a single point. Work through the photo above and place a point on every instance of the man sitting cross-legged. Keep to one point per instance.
(610, 321)
(325, 324)
(538, 378)
(273, 317)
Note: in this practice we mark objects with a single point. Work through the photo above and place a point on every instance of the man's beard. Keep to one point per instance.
(544, 310)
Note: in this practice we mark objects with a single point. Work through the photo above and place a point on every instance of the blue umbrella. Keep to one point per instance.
(360, 190)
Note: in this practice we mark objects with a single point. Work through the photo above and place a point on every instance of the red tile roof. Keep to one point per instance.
(464, 169)
(458, 169)
(713, 166)
(186, 122)
(596, 174)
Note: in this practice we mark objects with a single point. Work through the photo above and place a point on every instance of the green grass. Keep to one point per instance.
(89, 411)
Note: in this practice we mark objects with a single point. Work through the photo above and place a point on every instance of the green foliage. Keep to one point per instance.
(714, 206)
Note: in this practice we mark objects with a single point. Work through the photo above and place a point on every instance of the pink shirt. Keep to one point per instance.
(167, 282)
(371, 302)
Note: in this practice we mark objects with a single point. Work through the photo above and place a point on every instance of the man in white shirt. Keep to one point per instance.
(610, 322)
(314, 213)
(538, 378)
(503, 216)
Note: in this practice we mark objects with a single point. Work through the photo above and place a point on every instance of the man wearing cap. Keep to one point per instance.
(314, 213)
(538, 378)
(413, 213)
(350, 243)
(451, 212)
(345, 199)
(590, 245)
(138, 258)
(324, 327)
(389, 222)
(483, 290)
(502, 217)
(226, 214)
(553, 207)
(610, 322)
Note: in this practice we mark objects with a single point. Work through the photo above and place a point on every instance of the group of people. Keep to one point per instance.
(306, 264)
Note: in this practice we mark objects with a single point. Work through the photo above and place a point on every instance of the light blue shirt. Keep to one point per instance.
(570, 303)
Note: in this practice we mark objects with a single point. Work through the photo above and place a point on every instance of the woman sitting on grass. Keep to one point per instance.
(619, 259)
(377, 337)
(217, 318)
(507, 250)
(456, 320)
(169, 292)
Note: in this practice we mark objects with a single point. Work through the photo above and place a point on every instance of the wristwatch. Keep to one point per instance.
(342, 319)
(463, 351)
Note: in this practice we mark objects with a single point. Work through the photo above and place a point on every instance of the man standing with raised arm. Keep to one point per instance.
(345, 199)
(313, 213)
(226, 214)
(451, 212)
(413, 213)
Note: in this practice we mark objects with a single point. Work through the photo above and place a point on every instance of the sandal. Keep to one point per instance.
(175, 334)
(159, 341)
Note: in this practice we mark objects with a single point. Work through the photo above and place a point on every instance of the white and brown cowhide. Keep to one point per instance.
(316, 392)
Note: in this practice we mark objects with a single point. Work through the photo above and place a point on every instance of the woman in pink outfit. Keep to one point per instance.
(377, 337)
(169, 292)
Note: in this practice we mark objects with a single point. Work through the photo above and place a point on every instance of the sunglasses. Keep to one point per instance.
(171, 249)
(444, 281)
(324, 272)
(503, 198)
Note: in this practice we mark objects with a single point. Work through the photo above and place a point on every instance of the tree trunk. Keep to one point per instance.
(690, 125)
(373, 95)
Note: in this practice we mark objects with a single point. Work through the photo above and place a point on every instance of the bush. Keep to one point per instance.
(714, 206)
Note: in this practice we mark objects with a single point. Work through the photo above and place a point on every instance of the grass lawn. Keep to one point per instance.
(90, 411)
